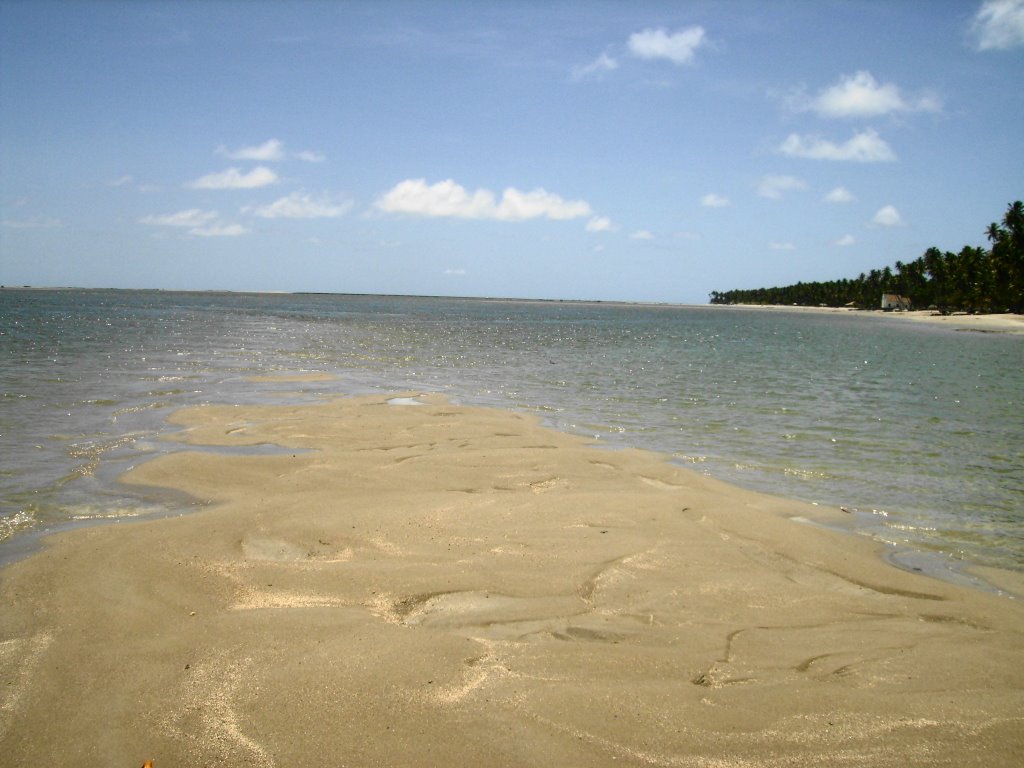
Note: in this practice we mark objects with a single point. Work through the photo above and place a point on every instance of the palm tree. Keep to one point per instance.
(1008, 257)
(974, 278)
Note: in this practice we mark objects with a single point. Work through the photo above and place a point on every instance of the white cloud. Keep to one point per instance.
(711, 200)
(220, 230)
(844, 241)
(200, 223)
(448, 199)
(840, 195)
(128, 180)
(887, 216)
(445, 198)
(641, 234)
(599, 224)
(773, 186)
(998, 25)
(679, 47)
(299, 205)
(193, 217)
(782, 246)
(600, 65)
(267, 151)
(517, 206)
(864, 147)
(860, 95)
(458, 271)
(232, 178)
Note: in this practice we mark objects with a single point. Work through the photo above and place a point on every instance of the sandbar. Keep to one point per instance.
(444, 585)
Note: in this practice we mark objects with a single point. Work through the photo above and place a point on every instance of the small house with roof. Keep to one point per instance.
(893, 301)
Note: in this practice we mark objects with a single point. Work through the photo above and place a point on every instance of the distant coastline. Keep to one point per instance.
(975, 280)
(1007, 322)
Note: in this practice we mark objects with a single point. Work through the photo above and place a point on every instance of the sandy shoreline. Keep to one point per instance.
(994, 323)
(444, 585)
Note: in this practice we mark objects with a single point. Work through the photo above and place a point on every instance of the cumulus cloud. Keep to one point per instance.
(782, 246)
(232, 178)
(844, 241)
(517, 206)
(299, 205)
(198, 222)
(193, 217)
(641, 234)
(448, 199)
(128, 180)
(773, 187)
(600, 65)
(599, 224)
(998, 25)
(266, 152)
(860, 95)
(711, 200)
(865, 147)
(269, 151)
(219, 230)
(679, 47)
(887, 216)
(840, 195)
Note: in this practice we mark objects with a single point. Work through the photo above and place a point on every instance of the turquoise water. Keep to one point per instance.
(917, 429)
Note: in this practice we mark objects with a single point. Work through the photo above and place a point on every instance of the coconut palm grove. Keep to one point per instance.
(977, 279)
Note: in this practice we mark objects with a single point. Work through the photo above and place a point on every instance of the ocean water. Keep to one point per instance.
(917, 430)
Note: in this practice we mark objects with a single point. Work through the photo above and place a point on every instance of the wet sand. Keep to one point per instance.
(437, 585)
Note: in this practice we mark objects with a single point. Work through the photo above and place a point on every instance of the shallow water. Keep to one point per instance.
(920, 428)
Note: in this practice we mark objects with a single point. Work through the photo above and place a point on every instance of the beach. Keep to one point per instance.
(407, 581)
(1002, 322)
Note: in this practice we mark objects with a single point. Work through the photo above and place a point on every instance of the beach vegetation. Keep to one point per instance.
(975, 279)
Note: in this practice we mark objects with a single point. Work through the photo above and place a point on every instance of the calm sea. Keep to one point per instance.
(918, 430)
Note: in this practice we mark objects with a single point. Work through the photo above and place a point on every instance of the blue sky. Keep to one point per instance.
(639, 151)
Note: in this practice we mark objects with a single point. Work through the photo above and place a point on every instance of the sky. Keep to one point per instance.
(635, 151)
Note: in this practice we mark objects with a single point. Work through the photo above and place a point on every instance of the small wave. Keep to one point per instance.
(94, 512)
(92, 451)
(689, 459)
(805, 474)
(141, 408)
(608, 429)
(21, 520)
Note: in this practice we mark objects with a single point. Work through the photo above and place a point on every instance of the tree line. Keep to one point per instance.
(974, 280)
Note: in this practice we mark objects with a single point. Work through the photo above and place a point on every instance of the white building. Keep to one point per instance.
(891, 301)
